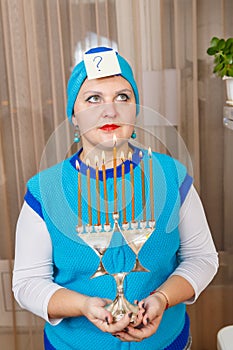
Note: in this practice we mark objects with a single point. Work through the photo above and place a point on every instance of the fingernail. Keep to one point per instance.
(106, 319)
(148, 320)
(130, 314)
(126, 329)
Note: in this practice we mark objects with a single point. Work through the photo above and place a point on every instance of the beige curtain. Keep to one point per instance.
(166, 42)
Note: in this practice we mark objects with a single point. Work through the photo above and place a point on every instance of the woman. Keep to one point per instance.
(52, 264)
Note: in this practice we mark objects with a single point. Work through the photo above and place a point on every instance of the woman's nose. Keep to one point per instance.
(109, 110)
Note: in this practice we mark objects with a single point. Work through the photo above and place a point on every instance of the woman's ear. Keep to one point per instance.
(74, 120)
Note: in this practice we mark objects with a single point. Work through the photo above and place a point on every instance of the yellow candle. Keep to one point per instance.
(89, 192)
(123, 186)
(97, 190)
(151, 184)
(132, 184)
(79, 195)
(105, 188)
(143, 185)
(115, 172)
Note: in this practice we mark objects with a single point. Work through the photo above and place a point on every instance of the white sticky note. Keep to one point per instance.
(101, 64)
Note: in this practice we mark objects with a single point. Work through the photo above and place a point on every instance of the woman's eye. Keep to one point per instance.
(93, 99)
(122, 97)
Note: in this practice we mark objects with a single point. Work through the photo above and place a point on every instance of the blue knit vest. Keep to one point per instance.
(53, 195)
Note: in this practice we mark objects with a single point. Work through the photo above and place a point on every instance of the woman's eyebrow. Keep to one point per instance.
(92, 92)
(95, 92)
(123, 90)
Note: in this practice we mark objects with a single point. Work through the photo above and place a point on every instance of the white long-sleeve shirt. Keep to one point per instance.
(33, 283)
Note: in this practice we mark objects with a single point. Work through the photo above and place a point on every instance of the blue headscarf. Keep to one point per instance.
(79, 74)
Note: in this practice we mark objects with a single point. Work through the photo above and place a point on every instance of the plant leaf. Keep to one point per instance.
(218, 67)
(229, 58)
(214, 41)
(212, 51)
(230, 72)
(223, 72)
(221, 44)
(229, 43)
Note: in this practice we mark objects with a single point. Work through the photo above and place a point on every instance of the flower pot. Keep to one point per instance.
(229, 90)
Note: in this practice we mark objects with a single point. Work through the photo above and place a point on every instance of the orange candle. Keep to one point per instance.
(143, 185)
(151, 185)
(79, 195)
(115, 172)
(97, 190)
(105, 188)
(123, 186)
(132, 184)
(89, 192)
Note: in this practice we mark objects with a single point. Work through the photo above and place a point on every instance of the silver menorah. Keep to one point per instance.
(98, 237)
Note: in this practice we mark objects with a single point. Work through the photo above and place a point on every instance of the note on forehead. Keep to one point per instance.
(101, 64)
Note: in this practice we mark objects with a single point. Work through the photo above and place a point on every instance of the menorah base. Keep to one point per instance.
(120, 307)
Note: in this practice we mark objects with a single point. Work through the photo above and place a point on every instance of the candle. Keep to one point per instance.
(151, 185)
(105, 188)
(97, 190)
(89, 192)
(79, 195)
(132, 184)
(143, 185)
(115, 172)
(123, 186)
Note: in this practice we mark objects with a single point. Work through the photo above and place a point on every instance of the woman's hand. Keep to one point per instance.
(94, 310)
(151, 309)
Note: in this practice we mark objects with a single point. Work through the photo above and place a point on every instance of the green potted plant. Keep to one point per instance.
(222, 50)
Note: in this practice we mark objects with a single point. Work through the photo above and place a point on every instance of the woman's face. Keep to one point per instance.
(105, 107)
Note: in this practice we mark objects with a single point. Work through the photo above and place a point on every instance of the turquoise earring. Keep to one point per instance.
(76, 134)
(134, 135)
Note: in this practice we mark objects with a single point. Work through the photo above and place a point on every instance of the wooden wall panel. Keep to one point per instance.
(214, 308)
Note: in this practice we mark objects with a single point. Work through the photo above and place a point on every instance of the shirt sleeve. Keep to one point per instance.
(197, 253)
(33, 283)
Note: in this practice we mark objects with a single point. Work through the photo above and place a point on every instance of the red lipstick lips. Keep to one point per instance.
(109, 127)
